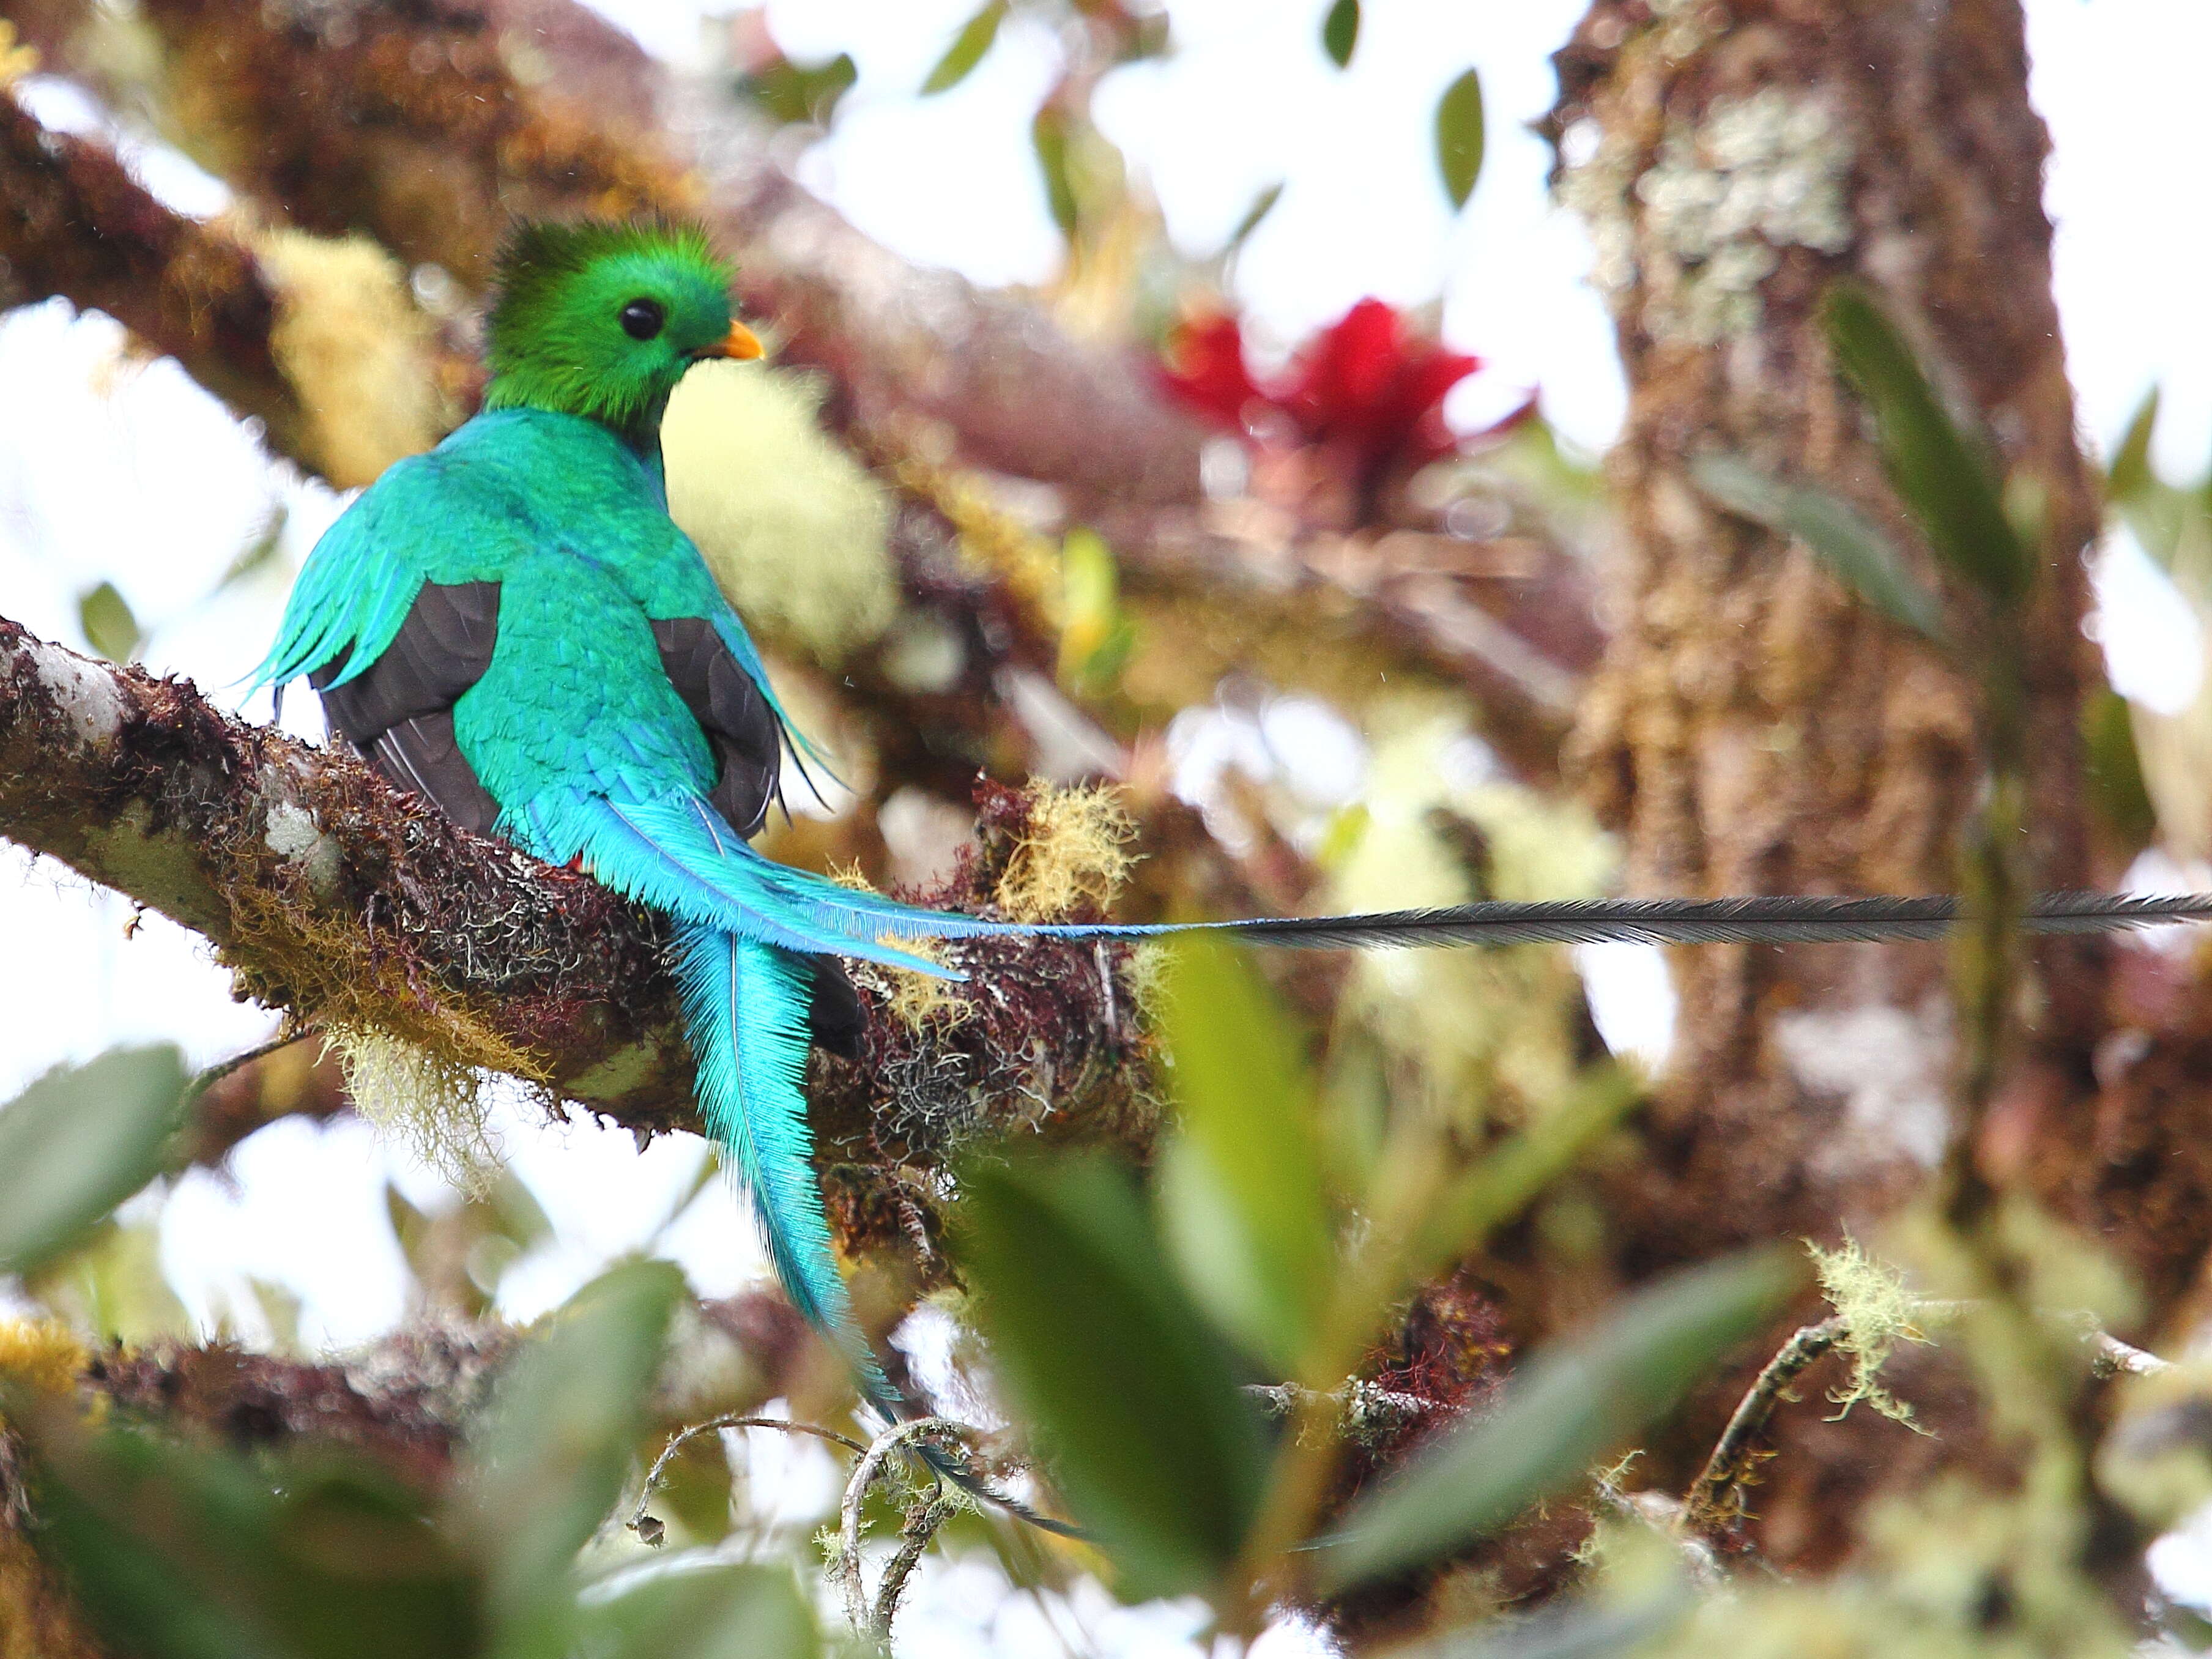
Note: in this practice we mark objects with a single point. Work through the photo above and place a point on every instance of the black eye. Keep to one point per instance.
(643, 319)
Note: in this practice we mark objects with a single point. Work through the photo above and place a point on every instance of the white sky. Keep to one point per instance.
(127, 473)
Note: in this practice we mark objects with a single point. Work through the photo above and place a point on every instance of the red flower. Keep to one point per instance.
(1206, 369)
(1365, 385)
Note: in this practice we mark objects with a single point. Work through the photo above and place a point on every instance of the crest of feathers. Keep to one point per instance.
(554, 280)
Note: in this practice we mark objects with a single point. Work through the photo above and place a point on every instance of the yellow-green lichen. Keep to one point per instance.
(1468, 1024)
(1878, 1311)
(793, 526)
(356, 349)
(1074, 850)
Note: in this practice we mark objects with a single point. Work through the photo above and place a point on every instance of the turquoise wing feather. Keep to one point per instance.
(419, 522)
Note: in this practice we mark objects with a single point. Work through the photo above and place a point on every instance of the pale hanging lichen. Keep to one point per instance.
(1878, 1311)
(436, 1108)
(793, 527)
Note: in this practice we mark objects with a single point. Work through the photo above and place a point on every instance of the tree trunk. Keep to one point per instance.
(1754, 727)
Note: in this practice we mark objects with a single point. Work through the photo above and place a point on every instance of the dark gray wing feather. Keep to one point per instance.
(747, 739)
(740, 726)
(398, 713)
(835, 1018)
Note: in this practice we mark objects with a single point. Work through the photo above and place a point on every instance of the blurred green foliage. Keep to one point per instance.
(110, 626)
(1942, 469)
(1241, 1196)
(1340, 31)
(1134, 1398)
(967, 49)
(790, 93)
(1853, 548)
(78, 1142)
(1460, 136)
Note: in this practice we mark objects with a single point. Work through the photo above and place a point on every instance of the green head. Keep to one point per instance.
(602, 319)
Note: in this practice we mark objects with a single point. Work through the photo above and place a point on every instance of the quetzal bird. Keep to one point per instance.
(512, 626)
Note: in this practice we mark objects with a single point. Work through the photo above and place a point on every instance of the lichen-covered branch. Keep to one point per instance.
(1712, 1502)
(73, 223)
(328, 894)
(333, 896)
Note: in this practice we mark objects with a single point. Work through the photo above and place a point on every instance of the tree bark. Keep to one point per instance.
(1752, 726)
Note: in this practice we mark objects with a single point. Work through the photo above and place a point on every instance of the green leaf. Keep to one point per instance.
(1095, 637)
(1340, 31)
(110, 1285)
(1048, 136)
(1158, 1449)
(1459, 136)
(258, 554)
(2114, 770)
(1513, 1175)
(109, 627)
(78, 1142)
(1262, 205)
(1854, 549)
(182, 1551)
(967, 49)
(1574, 1403)
(1241, 1202)
(790, 94)
(1939, 470)
(2131, 473)
(546, 1464)
(697, 1607)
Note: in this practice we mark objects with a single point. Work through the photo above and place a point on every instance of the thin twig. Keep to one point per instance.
(1357, 1401)
(929, 1511)
(214, 1074)
(846, 1568)
(648, 1527)
(2113, 1358)
(1708, 1502)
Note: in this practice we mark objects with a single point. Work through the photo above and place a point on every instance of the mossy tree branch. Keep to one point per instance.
(74, 222)
(334, 897)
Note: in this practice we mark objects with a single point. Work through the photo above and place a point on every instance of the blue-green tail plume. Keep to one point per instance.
(744, 1008)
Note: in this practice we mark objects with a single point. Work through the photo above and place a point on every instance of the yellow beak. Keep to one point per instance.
(741, 343)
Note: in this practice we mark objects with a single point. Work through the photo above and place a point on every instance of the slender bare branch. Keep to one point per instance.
(930, 1510)
(647, 1527)
(1711, 1499)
